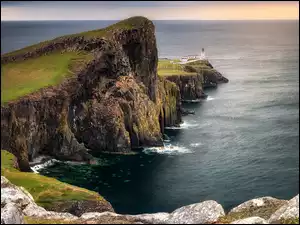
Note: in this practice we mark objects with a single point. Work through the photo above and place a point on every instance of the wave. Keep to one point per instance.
(168, 149)
(195, 144)
(38, 167)
(173, 128)
(184, 125)
(209, 98)
(192, 101)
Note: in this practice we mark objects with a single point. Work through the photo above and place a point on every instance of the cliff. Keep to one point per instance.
(103, 94)
(191, 77)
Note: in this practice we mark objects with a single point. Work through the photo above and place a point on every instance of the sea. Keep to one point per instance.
(241, 143)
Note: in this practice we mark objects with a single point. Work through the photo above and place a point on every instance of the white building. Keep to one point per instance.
(202, 54)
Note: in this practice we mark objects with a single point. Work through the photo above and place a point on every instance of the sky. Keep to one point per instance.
(154, 10)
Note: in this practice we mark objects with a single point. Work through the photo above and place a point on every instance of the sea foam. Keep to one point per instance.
(209, 98)
(168, 149)
(38, 167)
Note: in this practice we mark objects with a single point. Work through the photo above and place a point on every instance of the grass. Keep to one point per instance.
(166, 68)
(290, 221)
(46, 191)
(127, 24)
(130, 23)
(24, 77)
(34, 220)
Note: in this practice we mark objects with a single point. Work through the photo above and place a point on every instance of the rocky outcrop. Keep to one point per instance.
(200, 75)
(18, 206)
(114, 103)
(250, 220)
(190, 86)
(11, 214)
(199, 213)
(212, 77)
(259, 205)
(290, 210)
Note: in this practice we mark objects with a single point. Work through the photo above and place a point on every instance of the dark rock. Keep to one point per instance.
(190, 86)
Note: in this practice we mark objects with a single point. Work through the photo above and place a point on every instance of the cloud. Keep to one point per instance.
(155, 10)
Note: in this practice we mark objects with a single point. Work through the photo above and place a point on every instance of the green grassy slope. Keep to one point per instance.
(46, 191)
(24, 77)
(166, 68)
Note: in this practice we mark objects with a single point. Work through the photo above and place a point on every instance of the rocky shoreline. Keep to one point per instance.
(18, 207)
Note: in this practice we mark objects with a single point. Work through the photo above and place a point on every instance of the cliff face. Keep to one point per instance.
(114, 103)
(191, 86)
(211, 77)
(200, 75)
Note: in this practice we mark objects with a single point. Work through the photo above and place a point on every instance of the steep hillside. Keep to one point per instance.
(95, 90)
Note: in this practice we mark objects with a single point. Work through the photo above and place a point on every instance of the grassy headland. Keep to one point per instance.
(27, 76)
(24, 77)
(168, 67)
(47, 192)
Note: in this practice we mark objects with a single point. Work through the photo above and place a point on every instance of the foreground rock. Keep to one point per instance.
(18, 207)
(290, 210)
(11, 214)
(204, 212)
(262, 207)
(250, 220)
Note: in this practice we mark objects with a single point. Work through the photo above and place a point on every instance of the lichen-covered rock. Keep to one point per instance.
(11, 214)
(14, 195)
(199, 213)
(257, 203)
(290, 210)
(250, 220)
(152, 218)
(263, 207)
(34, 210)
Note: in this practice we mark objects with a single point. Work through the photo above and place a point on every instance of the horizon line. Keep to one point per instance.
(159, 20)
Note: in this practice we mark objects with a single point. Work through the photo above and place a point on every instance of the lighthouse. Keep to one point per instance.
(202, 55)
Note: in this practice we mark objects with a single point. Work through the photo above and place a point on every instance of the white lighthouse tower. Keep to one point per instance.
(202, 55)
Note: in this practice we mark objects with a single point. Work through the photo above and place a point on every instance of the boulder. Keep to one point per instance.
(199, 213)
(250, 220)
(152, 218)
(11, 214)
(97, 215)
(13, 194)
(263, 207)
(256, 203)
(290, 210)
(34, 210)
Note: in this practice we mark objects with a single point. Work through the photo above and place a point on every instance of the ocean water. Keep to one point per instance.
(242, 142)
